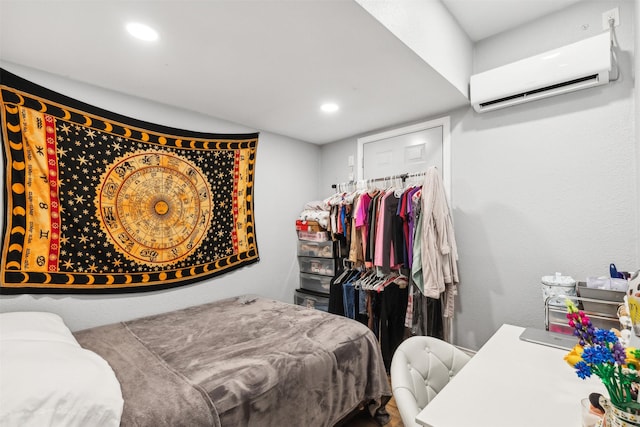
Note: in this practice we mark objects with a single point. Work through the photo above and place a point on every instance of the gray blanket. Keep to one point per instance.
(243, 361)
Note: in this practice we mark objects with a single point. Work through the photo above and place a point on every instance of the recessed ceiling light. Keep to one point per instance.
(329, 107)
(142, 31)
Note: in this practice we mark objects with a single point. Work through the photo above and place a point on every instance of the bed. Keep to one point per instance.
(243, 361)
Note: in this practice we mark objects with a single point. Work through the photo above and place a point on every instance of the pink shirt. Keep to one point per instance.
(378, 258)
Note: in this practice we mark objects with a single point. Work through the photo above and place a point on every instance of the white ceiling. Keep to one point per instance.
(265, 64)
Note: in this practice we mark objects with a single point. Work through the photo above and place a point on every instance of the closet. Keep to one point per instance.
(397, 266)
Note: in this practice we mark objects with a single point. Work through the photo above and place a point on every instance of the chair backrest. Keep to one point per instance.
(420, 368)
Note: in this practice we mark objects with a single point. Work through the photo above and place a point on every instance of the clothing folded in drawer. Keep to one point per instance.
(316, 249)
(323, 266)
(311, 300)
(315, 282)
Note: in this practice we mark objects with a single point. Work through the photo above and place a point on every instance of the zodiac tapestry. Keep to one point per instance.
(96, 202)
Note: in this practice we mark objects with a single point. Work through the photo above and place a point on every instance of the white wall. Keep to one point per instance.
(546, 186)
(283, 184)
(542, 187)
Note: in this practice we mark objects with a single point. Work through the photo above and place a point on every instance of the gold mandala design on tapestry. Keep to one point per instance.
(155, 207)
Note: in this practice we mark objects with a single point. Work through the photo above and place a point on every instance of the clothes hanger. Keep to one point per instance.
(387, 280)
(346, 270)
(387, 185)
(375, 282)
(399, 187)
(379, 280)
(364, 277)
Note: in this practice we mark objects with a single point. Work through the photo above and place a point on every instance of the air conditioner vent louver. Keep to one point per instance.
(571, 83)
(577, 66)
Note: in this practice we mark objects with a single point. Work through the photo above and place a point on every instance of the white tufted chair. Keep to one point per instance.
(420, 368)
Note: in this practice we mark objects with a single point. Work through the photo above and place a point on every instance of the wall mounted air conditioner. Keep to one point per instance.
(580, 65)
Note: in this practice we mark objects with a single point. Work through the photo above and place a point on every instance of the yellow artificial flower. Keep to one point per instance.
(575, 355)
(631, 358)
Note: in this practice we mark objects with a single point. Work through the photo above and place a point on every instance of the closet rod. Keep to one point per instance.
(403, 176)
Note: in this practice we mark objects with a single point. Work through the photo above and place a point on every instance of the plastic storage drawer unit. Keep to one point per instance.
(311, 300)
(315, 283)
(316, 249)
(324, 266)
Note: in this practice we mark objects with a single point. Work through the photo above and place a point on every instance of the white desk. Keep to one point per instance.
(509, 383)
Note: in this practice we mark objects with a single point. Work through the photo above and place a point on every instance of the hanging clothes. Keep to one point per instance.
(386, 233)
(392, 314)
(435, 268)
(403, 257)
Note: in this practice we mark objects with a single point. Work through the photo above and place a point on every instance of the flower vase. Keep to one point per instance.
(616, 417)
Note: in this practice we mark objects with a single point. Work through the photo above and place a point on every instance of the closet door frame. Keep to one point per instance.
(443, 122)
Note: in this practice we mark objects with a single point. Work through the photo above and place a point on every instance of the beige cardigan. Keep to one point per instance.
(439, 253)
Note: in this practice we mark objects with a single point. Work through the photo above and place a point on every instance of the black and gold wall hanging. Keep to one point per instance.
(96, 202)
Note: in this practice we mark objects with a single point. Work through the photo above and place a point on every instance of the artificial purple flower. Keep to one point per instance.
(619, 353)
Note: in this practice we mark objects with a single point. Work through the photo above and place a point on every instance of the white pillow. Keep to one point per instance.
(49, 380)
(36, 326)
